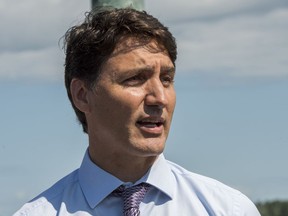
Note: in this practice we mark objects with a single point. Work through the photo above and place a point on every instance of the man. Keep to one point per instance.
(119, 72)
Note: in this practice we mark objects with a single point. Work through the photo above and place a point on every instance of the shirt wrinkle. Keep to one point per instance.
(86, 192)
(97, 184)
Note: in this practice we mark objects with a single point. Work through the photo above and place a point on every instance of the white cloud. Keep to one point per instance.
(237, 38)
(181, 10)
(30, 31)
(32, 24)
(32, 64)
(231, 38)
(239, 46)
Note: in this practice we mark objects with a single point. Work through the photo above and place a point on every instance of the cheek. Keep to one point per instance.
(172, 100)
(126, 103)
(129, 98)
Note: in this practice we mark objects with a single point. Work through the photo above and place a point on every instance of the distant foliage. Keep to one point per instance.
(274, 208)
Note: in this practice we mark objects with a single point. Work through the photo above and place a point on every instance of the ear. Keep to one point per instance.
(79, 93)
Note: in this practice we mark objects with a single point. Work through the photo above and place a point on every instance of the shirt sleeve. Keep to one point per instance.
(246, 207)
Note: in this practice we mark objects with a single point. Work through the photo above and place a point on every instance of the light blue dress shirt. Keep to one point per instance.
(175, 191)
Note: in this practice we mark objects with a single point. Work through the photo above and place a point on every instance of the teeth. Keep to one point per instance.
(151, 125)
(150, 121)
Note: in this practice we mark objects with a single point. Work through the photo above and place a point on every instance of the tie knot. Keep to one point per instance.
(132, 197)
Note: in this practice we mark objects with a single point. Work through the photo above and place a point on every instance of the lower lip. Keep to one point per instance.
(151, 130)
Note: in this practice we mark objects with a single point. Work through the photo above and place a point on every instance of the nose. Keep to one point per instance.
(156, 94)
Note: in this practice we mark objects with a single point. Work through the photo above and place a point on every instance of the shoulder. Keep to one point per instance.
(49, 200)
(198, 181)
(215, 196)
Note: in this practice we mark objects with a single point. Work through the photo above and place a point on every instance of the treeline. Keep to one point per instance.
(273, 208)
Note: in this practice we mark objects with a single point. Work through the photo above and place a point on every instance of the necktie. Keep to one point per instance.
(132, 197)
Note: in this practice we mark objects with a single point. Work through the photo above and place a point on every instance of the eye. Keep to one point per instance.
(134, 80)
(167, 80)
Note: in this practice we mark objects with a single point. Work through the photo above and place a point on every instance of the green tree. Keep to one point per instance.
(273, 208)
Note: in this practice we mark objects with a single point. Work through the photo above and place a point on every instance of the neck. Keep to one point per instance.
(126, 167)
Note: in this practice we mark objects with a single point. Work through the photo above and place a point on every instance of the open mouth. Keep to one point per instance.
(151, 125)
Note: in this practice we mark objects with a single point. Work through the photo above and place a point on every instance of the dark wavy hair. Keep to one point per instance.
(88, 45)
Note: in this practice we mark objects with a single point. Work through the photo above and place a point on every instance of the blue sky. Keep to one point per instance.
(231, 120)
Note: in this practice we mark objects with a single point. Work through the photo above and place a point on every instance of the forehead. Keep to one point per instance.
(130, 55)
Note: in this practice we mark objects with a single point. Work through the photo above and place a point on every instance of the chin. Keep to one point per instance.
(152, 147)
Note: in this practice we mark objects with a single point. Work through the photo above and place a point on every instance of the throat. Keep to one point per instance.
(127, 168)
(133, 169)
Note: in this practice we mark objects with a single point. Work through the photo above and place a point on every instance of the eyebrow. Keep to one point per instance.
(168, 69)
(144, 69)
(149, 69)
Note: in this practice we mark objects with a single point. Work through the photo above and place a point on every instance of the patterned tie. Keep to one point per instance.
(132, 197)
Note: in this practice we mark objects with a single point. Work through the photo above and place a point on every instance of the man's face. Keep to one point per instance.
(133, 102)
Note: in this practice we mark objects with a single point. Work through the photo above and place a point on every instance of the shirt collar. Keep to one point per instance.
(161, 176)
(97, 184)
